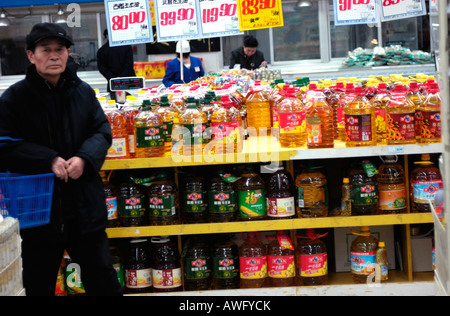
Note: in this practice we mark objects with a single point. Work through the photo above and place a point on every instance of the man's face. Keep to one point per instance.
(50, 58)
(249, 51)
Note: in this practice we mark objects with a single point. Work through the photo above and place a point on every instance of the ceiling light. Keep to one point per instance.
(61, 17)
(4, 21)
(303, 3)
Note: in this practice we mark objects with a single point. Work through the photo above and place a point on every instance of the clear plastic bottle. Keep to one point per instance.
(168, 115)
(292, 125)
(162, 202)
(166, 266)
(312, 193)
(222, 202)
(130, 111)
(280, 201)
(197, 265)
(319, 123)
(364, 192)
(338, 92)
(225, 258)
(382, 267)
(417, 98)
(251, 196)
(425, 181)
(119, 148)
(258, 111)
(148, 127)
(112, 206)
(391, 187)
(363, 254)
(195, 123)
(346, 198)
(177, 101)
(312, 259)
(138, 271)
(252, 261)
(360, 121)
(281, 260)
(431, 116)
(194, 200)
(400, 113)
(132, 205)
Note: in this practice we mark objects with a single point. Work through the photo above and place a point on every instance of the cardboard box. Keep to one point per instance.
(343, 240)
(421, 249)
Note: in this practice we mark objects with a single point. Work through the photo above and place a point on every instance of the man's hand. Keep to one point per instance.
(75, 167)
(59, 168)
(264, 64)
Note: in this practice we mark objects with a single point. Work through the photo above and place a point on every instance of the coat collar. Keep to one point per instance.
(67, 78)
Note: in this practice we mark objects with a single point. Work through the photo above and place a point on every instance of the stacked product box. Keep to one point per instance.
(10, 258)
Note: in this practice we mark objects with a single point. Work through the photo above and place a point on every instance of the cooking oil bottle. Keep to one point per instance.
(258, 111)
(149, 133)
(338, 92)
(162, 201)
(312, 193)
(168, 115)
(281, 260)
(360, 121)
(194, 199)
(364, 192)
(291, 115)
(382, 267)
(346, 198)
(252, 261)
(251, 196)
(431, 116)
(400, 113)
(195, 123)
(130, 111)
(391, 187)
(363, 253)
(312, 259)
(225, 256)
(197, 265)
(425, 181)
(417, 98)
(280, 201)
(119, 148)
(319, 123)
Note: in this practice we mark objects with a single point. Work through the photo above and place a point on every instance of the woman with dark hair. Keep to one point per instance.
(248, 56)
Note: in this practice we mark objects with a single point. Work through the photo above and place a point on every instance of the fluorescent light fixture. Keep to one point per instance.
(303, 3)
(4, 21)
(60, 17)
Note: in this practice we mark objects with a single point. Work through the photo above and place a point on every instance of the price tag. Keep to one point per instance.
(259, 14)
(219, 18)
(176, 20)
(128, 22)
(349, 12)
(400, 9)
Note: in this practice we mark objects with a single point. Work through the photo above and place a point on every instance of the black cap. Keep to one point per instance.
(45, 30)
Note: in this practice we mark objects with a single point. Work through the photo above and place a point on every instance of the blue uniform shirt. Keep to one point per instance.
(173, 74)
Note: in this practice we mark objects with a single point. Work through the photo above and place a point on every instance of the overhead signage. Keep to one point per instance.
(259, 14)
(219, 18)
(400, 9)
(349, 12)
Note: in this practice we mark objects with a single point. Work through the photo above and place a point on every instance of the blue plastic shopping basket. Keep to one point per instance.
(27, 198)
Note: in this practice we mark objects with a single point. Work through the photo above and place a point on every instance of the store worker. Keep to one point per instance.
(192, 66)
(114, 62)
(59, 127)
(248, 56)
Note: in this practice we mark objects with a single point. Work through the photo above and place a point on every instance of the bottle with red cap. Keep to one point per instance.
(380, 101)
(360, 125)
(252, 261)
(348, 96)
(400, 113)
(258, 111)
(417, 98)
(337, 93)
(312, 259)
(430, 124)
(281, 260)
(319, 123)
(291, 116)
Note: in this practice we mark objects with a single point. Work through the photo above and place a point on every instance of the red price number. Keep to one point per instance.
(251, 7)
(170, 18)
(346, 5)
(387, 3)
(213, 14)
(122, 22)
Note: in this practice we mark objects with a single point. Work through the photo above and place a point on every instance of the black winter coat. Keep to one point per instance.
(64, 121)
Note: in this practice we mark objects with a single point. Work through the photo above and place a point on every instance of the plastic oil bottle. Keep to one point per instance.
(346, 198)
(431, 116)
(258, 111)
(400, 113)
(251, 196)
(130, 111)
(112, 205)
(222, 203)
(312, 259)
(225, 257)
(195, 123)
(132, 205)
(194, 199)
(166, 266)
(280, 201)
(391, 187)
(168, 115)
(417, 98)
(119, 148)
(425, 181)
(382, 267)
(319, 123)
(252, 261)
(197, 265)
(162, 202)
(312, 193)
(363, 253)
(281, 260)
(291, 120)
(338, 92)
(138, 272)
(364, 192)
(148, 126)
(360, 121)
(226, 124)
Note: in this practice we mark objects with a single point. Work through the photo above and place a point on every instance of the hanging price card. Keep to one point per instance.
(400, 9)
(176, 20)
(348, 12)
(259, 14)
(128, 22)
(219, 18)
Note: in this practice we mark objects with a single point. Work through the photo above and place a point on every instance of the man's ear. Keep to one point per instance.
(30, 55)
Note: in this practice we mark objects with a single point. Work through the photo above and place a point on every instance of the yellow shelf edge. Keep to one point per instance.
(270, 225)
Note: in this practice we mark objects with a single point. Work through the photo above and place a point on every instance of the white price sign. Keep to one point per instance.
(176, 20)
(400, 9)
(128, 22)
(348, 12)
(219, 18)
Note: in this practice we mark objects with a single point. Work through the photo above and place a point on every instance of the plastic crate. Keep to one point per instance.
(27, 198)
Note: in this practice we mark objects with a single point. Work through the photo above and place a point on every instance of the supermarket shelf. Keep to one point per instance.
(270, 225)
(266, 149)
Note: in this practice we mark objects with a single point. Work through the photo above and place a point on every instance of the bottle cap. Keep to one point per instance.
(346, 180)
(381, 244)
